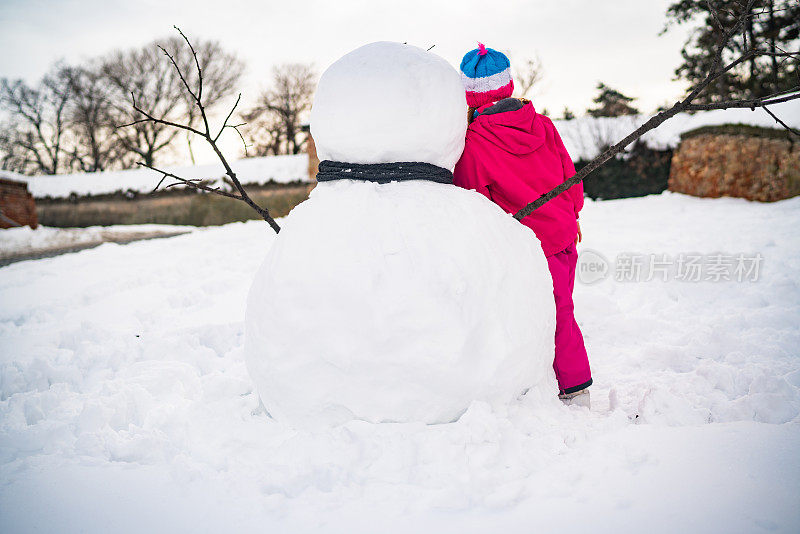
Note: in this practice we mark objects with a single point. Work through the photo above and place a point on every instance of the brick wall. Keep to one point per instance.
(737, 161)
(16, 205)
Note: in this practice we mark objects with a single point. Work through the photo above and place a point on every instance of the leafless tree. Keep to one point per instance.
(90, 117)
(527, 74)
(12, 156)
(264, 133)
(195, 92)
(274, 124)
(157, 87)
(37, 122)
(718, 68)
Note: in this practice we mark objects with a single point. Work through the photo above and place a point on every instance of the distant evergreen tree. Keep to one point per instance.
(611, 103)
(567, 115)
(773, 26)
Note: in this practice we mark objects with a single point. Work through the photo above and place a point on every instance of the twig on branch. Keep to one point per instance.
(150, 118)
(194, 183)
(205, 133)
(751, 103)
(715, 71)
(771, 114)
(225, 122)
(715, 14)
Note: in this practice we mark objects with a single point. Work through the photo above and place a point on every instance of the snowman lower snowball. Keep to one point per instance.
(403, 301)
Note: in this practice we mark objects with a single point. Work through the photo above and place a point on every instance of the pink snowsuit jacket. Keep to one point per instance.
(513, 158)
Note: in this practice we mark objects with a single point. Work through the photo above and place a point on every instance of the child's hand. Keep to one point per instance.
(579, 237)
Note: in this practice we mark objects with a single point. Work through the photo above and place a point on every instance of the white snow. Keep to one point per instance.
(14, 241)
(388, 102)
(281, 169)
(584, 136)
(399, 302)
(125, 404)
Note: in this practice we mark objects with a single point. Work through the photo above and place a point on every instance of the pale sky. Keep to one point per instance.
(579, 42)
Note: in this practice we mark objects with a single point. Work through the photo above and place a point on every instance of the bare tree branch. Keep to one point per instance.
(150, 118)
(197, 101)
(244, 143)
(195, 183)
(225, 122)
(771, 114)
(528, 75)
(715, 71)
(166, 90)
(197, 64)
(752, 103)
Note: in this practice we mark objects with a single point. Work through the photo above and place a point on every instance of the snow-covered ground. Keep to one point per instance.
(19, 241)
(281, 169)
(125, 405)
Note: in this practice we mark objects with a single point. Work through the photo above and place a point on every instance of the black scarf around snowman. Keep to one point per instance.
(383, 173)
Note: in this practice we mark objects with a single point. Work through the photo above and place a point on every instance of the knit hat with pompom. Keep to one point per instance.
(486, 76)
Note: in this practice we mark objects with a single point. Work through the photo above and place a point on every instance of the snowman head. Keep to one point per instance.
(390, 102)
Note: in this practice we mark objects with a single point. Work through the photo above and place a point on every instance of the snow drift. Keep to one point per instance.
(126, 406)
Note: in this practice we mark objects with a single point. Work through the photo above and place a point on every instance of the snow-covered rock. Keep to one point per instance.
(406, 301)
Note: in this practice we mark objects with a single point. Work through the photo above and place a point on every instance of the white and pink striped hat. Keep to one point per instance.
(486, 76)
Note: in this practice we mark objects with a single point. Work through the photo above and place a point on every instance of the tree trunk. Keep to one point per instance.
(773, 48)
(189, 142)
(751, 34)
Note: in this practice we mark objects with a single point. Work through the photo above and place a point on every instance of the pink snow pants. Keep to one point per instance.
(571, 362)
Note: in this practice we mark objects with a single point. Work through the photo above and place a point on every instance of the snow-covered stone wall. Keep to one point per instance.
(749, 163)
(281, 169)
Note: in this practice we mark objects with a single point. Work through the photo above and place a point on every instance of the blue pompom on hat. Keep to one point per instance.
(486, 74)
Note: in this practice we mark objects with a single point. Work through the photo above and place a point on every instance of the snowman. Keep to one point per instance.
(391, 295)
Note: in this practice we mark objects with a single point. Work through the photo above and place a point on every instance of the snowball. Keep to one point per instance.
(398, 302)
(388, 102)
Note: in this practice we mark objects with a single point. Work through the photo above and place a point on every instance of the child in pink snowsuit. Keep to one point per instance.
(513, 155)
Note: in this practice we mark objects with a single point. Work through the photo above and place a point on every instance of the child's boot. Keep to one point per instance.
(577, 398)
